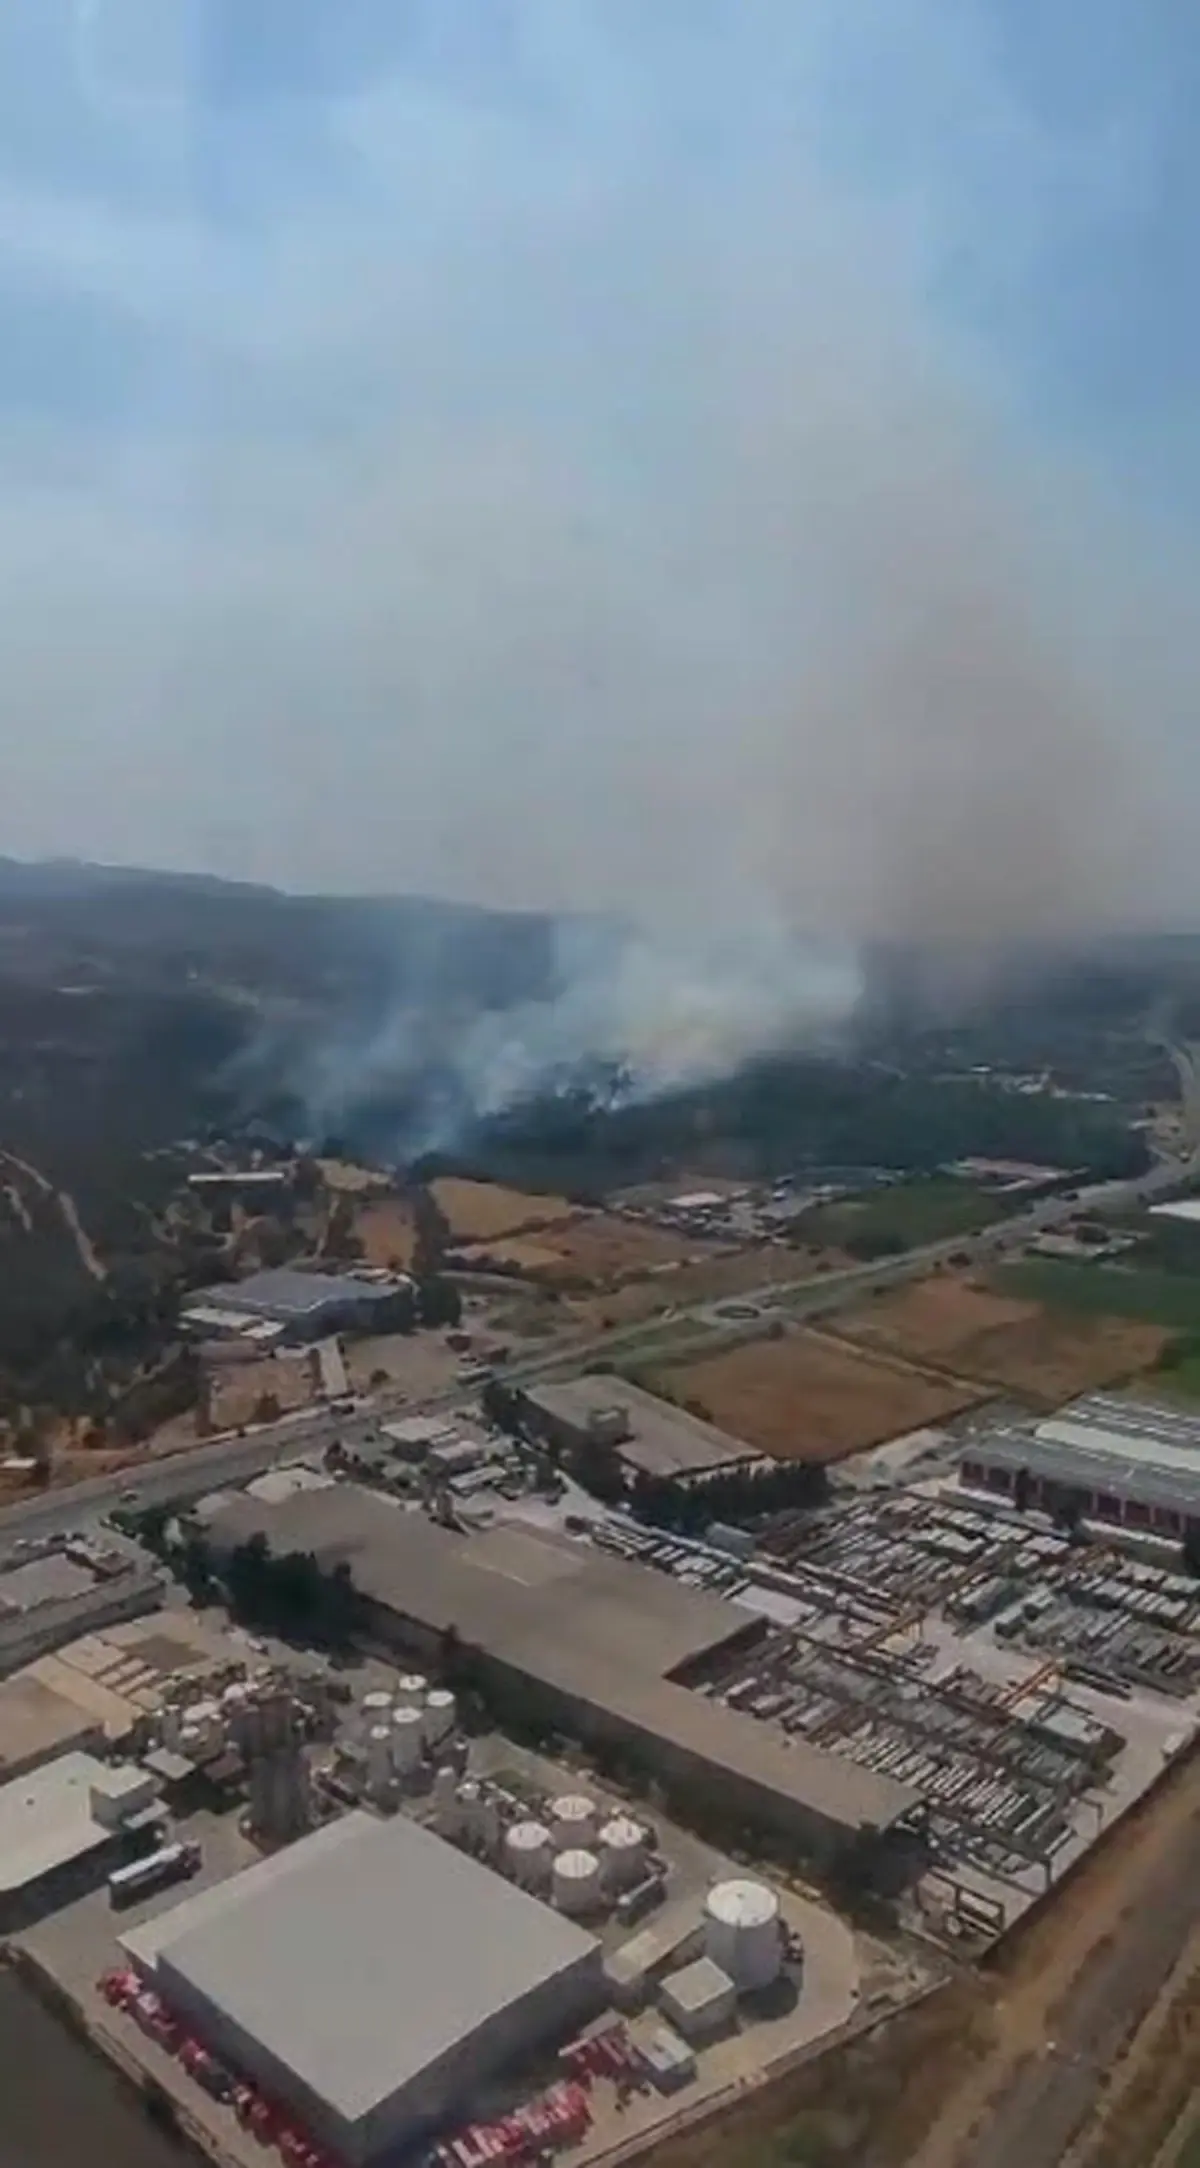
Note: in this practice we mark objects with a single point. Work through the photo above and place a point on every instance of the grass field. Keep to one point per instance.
(905, 1217)
(1168, 1299)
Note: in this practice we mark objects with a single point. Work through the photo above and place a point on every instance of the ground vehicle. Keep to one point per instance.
(171, 1863)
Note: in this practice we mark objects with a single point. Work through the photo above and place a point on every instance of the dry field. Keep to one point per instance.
(479, 1211)
(714, 1277)
(344, 1175)
(1021, 1347)
(811, 1397)
(595, 1249)
(237, 1388)
(385, 1229)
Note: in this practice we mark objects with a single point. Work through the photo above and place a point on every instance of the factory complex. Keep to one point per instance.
(1123, 1463)
(371, 1975)
(585, 1641)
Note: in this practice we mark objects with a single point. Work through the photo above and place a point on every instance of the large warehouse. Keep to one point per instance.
(303, 1305)
(371, 1977)
(1130, 1463)
(593, 1645)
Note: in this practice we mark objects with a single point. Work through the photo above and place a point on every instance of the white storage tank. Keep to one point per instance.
(445, 1799)
(379, 1757)
(374, 1709)
(411, 1689)
(408, 1739)
(743, 1933)
(479, 1821)
(573, 1822)
(529, 1854)
(622, 1852)
(577, 1883)
(439, 1715)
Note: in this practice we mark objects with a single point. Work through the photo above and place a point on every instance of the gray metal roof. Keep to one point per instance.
(361, 1955)
(663, 1440)
(603, 1631)
(287, 1293)
(1126, 1449)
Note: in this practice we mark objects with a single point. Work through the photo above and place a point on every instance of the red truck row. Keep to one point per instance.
(268, 2123)
(560, 2117)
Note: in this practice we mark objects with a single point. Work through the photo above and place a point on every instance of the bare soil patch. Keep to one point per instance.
(811, 1397)
(1003, 1341)
(713, 1277)
(237, 1389)
(593, 1249)
(387, 1233)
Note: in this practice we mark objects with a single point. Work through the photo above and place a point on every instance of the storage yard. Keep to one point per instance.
(995, 1336)
(813, 1396)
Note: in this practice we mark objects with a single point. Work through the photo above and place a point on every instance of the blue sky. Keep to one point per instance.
(481, 444)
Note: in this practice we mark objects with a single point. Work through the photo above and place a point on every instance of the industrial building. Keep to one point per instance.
(63, 1825)
(302, 1305)
(648, 1436)
(1129, 1463)
(372, 1977)
(585, 1642)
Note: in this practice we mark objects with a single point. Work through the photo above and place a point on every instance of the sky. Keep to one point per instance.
(726, 459)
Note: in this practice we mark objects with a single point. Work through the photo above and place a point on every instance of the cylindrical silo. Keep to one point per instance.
(439, 1714)
(622, 1852)
(743, 1932)
(191, 1742)
(411, 1689)
(577, 1882)
(375, 1708)
(379, 1758)
(408, 1739)
(471, 1808)
(445, 1800)
(573, 1822)
(529, 1854)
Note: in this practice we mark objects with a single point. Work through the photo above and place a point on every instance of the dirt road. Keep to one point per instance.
(1076, 1997)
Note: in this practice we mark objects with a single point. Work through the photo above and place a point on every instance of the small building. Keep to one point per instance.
(63, 1827)
(648, 1436)
(669, 2060)
(700, 2001)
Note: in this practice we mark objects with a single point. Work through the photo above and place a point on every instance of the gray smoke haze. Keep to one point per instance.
(555, 470)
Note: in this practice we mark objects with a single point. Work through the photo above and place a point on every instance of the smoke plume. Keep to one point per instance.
(565, 469)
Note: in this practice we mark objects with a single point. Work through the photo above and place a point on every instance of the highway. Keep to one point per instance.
(185, 1476)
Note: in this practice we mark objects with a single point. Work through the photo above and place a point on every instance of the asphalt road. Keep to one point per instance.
(233, 1460)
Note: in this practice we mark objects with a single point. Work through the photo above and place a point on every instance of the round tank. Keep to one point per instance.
(407, 1738)
(379, 1757)
(622, 1852)
(411, 1690)
(577, 1882)
(529, 1854)
(374, 1708)
(171, 1723)
(439, 1715)
(742, 1932)
(445, 1799)
(191, 1741)
(573, 1822)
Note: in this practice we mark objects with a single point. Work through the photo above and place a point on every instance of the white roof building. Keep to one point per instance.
(372, 1977)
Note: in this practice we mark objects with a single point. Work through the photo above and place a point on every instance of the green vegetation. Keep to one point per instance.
(1156, 1298)
(884, 1222)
